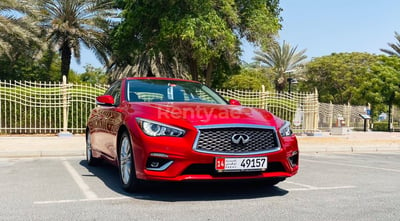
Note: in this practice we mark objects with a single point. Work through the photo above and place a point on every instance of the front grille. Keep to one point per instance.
(219, 140)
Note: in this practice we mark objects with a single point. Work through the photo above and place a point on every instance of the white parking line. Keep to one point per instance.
(80, 200)
(353, 165)
(89, 194)
(309, 187)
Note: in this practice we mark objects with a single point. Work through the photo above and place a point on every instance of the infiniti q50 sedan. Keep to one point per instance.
(161, 129)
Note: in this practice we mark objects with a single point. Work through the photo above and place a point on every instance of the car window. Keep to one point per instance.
(152, 90)
(115, 91)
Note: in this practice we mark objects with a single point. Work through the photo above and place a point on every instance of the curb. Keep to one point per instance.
(72, 146)
(16, 154)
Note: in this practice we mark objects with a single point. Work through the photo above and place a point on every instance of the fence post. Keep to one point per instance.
(316, 111)
(348, 115)
(263, 98)
(64, 91)
(330, 114)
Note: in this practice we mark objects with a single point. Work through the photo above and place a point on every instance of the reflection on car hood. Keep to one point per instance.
(204, 113)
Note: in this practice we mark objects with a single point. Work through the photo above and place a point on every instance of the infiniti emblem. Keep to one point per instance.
(240, 138)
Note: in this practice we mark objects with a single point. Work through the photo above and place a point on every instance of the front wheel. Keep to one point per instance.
(127, 166)
(92, 161)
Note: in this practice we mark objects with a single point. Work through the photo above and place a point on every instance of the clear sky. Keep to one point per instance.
(326, 26)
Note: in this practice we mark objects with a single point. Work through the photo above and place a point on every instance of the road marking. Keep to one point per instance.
(299, 184)
(89, 194)
(309, 187)
(80, 200)
(354, 165)
(321, 188)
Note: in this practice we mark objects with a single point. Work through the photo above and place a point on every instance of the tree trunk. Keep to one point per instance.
(65, 59)
(193, 69)
(280, 84)
(209, 71)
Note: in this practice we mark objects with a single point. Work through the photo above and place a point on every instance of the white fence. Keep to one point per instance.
(334, 115)
(37, 107)
(49, 108)
(301, 109)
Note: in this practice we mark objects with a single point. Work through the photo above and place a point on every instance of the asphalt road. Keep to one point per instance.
(329, 186)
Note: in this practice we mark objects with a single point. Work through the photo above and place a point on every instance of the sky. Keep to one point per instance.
(323, 27)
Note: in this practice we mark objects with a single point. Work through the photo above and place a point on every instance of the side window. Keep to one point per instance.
(115, 91)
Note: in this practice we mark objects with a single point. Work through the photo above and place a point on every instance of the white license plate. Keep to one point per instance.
(241, 164)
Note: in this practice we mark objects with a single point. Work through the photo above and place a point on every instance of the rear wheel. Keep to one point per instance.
(127, 165)
(92, 161)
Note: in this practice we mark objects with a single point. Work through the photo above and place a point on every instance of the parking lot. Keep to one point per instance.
(329, 186)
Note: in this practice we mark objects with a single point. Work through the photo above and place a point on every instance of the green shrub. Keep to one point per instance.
(383, 126)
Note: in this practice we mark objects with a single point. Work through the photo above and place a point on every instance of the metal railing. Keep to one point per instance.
(54, 107)
(45, 107)
(301, 109)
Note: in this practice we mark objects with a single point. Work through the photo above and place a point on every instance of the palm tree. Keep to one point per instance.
(70, 23)
(16, 28)
(148, 64)
(282, 59)
(395, 47)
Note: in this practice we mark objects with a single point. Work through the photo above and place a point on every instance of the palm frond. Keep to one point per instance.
(76, 23)
(395, 47)
(17, 29)
(282, 59)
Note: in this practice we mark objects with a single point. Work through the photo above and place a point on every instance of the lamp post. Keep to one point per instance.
(291, 81)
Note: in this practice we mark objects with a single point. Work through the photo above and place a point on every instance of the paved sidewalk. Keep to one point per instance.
(352, 142)
(40, 146)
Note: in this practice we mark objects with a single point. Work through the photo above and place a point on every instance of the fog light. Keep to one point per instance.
(294, 159)
(154, 164)
(158, 164)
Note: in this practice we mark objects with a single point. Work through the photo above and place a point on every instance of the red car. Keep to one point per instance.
(161, 129)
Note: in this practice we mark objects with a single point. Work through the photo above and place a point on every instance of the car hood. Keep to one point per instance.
(205, 114)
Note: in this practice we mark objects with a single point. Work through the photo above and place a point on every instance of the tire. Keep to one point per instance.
(92, 161)
(126, 165)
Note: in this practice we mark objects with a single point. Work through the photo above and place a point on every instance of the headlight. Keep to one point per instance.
(155, 129)
(285, 130)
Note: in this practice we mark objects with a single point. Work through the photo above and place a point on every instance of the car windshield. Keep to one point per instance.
(153, 90)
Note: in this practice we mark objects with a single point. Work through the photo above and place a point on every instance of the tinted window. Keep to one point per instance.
(171, 91)
(115, 91)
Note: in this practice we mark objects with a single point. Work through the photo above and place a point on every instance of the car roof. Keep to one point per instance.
(159, 78)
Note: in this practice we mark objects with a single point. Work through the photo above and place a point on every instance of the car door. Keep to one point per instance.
(104, 138)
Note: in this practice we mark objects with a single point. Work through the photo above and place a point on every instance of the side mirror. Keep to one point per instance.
(234, 102)
(105, 100)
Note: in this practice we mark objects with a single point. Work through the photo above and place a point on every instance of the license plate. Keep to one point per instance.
(241, 164)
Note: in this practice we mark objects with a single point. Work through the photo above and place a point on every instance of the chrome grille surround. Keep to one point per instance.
(217, 139)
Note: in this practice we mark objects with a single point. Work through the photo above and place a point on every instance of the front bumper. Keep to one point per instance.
(173, 159)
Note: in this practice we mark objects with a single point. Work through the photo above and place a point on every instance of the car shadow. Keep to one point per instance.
(186, 191)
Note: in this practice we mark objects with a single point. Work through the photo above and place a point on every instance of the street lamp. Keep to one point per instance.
(291, 81)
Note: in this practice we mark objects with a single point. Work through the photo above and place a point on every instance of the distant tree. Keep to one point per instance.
(94, 75)
(338, 77)
(394, 46)
(249, 79)
(383, 84)
(25, 66)
(282, 59)
(197, 37)
(70, 23)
